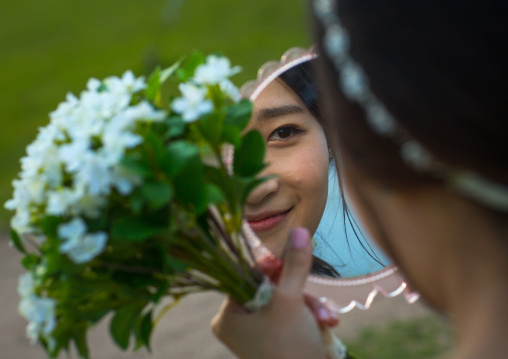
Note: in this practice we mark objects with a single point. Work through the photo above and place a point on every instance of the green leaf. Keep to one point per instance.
(216, 176)
(176, 127)
(17, 242)
(189, 185)
(30, 261)
(167, 72)
(79, 337)
(136, 201)
(186, 71)
(249, 156)
(135, 229)
(136, 282)
(54, 260)
(50, 225)
(210, 127)
(144, 331)
(62, 342)
(98, 224)
(136, 166)
(207, 127)
(239, 114)
(232, 134)
(155, 81)
(123, 322)
(157, 194)
(213, 193)
(180, 154)
(161, 292)
(158, 148)
(178, 265)
(96, 315)
(248, 186)
(153, 88)
(231, 188)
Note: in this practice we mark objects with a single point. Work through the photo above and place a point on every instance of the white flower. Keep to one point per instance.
(215, 70)
(11, 204)
(87, 205)
(20, 222)
(45, 139)
(26, 285)
(99, 105)
(93, 174)
(42, 163)
(51, 170)
(86, 248)
(93, 85)
(76, 228)
(230, 90)
(123, 180)
(22, 195)
(72, 165)
(40, 312)
(193, 103)
(80, 246)
(36, 190)
(128, 83)
(27, 192)
(71, 154)
(114, 144)
(145, 112)
(66, 108)
(60, 201)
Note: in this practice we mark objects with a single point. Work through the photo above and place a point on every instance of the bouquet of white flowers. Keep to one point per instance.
(122, 201)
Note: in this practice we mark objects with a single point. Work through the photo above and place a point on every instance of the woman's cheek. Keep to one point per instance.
(311, 182)
(313, 166)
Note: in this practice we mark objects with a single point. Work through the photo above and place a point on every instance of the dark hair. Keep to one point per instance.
(438, 67)
(300, 80)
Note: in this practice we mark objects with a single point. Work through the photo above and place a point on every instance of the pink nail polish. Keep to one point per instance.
(323, 314)
(299, 238)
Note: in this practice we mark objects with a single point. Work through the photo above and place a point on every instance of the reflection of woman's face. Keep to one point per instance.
(298, 154)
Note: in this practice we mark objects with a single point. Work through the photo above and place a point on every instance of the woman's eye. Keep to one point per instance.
(283, 133)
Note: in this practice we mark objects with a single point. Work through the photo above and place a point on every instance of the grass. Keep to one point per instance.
(52, 47)
(425, 337)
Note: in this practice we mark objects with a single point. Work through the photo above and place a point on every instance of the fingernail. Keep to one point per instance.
(323, 314)
(299, 238)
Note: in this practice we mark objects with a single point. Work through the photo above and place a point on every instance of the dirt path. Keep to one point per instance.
(183, 334)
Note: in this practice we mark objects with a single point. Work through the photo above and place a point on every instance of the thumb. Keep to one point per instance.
(297, 262)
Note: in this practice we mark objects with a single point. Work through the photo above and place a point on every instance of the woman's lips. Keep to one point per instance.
(267, 220)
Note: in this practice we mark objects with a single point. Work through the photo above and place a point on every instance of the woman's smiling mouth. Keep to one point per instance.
(265, 221)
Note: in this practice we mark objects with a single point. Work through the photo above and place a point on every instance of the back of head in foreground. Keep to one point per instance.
(416, 94)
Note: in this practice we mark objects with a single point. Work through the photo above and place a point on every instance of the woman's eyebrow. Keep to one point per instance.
(272, 112)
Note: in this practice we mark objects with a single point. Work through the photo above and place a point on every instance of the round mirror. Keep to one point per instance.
(303, 189)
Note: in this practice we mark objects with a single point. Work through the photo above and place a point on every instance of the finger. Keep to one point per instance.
(297, 262)
(323, 315)
(271, 266)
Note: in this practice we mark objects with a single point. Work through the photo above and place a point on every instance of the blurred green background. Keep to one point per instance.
(51, 47)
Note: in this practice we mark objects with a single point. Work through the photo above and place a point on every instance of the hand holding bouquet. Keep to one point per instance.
(122, 201)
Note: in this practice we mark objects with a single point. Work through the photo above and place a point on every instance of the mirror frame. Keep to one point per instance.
(339, 294)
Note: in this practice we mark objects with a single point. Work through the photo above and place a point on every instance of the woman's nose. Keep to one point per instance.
(263, 190)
